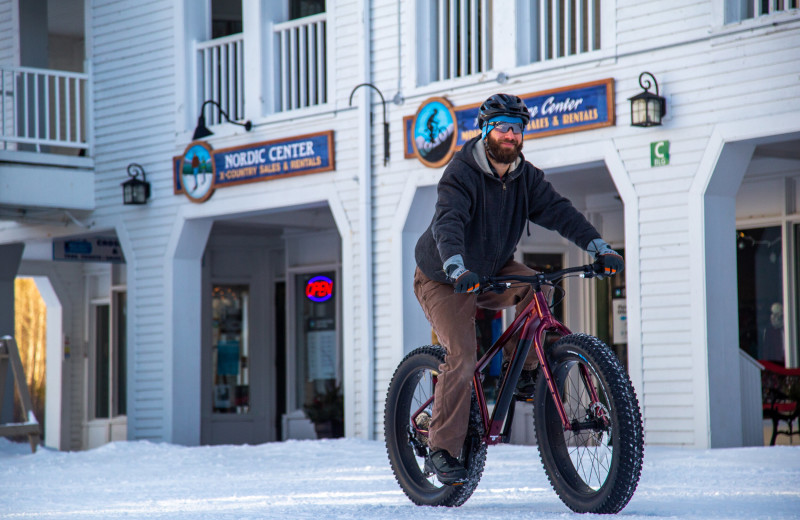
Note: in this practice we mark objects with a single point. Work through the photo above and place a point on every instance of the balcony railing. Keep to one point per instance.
(42, 110)
(562, 28)
(300, 63)
(462, 38)
(220, 75)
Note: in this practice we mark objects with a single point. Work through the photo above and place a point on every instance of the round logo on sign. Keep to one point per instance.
(197, 172)
(434, 132)
(319, 289)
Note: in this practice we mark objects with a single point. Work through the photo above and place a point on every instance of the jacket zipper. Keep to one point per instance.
(499, 226)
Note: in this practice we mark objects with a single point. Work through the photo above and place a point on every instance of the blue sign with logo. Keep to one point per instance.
(434, 132)
(557, 111)
(200, 170)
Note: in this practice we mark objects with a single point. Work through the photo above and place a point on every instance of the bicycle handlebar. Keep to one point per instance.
(501, 283)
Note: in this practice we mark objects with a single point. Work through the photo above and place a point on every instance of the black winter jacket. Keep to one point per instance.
(482, 217)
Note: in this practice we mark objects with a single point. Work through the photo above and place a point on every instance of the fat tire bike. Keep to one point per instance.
(586, 415)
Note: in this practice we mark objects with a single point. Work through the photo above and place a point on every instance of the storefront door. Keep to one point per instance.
(316, 355)
(237, 399)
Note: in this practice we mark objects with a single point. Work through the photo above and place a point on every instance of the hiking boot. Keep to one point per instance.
(447, 468)
(526, 383)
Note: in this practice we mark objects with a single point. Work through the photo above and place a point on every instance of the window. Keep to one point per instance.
(226, 18)
(453, 39)
(759, 256)
(550, 29)
(110, 357)
(303, 8)
(738, 10)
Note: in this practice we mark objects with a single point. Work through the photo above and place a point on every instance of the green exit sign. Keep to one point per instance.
(659, 153)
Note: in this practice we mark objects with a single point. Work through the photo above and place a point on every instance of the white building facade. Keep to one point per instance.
(271, 264)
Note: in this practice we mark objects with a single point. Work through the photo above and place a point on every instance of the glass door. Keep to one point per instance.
(230, 349)
(759, 255)
(316, 351)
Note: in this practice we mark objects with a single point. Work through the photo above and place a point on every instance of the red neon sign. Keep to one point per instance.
(319, 289)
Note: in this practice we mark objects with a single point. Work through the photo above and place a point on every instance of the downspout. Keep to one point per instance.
(365, 232)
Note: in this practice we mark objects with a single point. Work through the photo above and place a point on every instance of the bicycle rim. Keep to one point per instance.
(410, 395)
(596, 466)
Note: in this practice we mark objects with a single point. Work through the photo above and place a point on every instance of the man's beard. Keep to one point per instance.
(500, 153)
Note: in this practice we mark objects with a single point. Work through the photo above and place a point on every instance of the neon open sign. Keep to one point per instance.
(319, 289)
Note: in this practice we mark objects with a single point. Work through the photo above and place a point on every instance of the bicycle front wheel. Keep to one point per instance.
(594, 466)
(409, 406)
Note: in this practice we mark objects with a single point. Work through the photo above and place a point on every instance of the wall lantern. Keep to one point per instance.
(202, 130)
(135, 191)
(647, 109)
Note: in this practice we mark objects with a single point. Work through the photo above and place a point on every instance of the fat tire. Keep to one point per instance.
(405, 463)
(624, 444)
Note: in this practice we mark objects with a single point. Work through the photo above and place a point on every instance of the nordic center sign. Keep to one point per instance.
(200, 170)
(557, 111)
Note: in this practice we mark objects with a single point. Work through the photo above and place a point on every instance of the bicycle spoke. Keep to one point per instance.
(409, 404)
(588, 448)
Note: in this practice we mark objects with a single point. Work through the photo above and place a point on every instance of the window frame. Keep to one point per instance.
(117, 382)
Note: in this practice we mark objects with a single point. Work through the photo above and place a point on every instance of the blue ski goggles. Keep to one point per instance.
(505, 126)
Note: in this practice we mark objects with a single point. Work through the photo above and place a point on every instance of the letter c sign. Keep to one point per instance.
(659, 153)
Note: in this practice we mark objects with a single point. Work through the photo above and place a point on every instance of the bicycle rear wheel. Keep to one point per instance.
(409, 403)
(595, 466)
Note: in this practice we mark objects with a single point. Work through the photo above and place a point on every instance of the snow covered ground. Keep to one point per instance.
(351, 479)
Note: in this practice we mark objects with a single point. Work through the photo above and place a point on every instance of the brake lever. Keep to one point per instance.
(593, 270)
(495, 287)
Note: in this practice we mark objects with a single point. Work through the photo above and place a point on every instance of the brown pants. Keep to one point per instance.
(452, 317)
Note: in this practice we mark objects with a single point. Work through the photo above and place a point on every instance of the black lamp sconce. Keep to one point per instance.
(202, 130)
(385, 124)
(647, 109)
(134, 190)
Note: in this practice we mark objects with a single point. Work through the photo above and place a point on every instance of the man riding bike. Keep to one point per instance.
(487, 197)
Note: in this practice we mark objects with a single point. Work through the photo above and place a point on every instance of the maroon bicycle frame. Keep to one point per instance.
(533, 322)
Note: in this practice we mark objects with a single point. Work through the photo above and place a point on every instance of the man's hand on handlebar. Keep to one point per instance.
(606, 258)
(464, 280)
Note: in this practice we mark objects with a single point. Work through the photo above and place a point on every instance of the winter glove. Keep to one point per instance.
(464, 280)
(610, 260)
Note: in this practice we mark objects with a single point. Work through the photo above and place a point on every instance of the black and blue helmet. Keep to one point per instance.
(507, 105)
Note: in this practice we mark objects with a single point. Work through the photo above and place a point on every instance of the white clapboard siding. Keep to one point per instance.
(134, 88)
(9, 34)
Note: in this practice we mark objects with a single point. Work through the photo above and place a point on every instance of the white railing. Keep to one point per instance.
(42, 108)
(561, 28)
(220, 76)
(463, 38)
(301, 63)
(750, 399)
